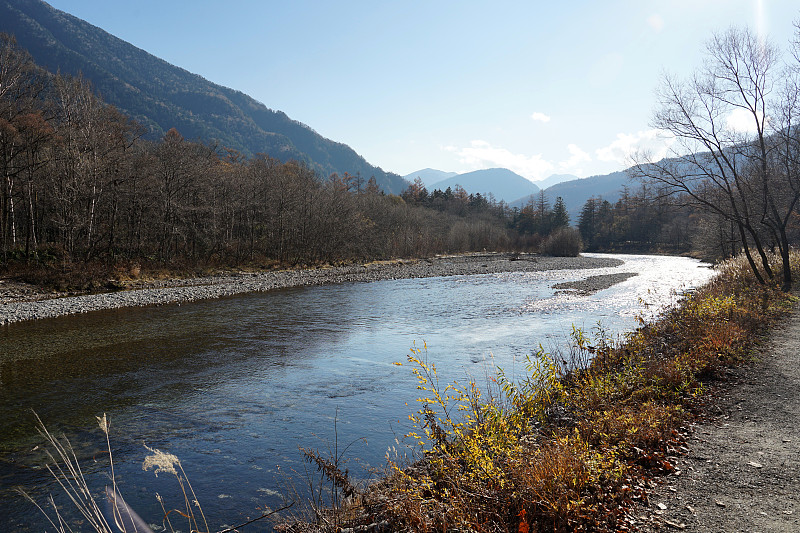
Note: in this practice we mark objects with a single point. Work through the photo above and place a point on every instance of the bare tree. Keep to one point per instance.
(733, 126)
(20, 86)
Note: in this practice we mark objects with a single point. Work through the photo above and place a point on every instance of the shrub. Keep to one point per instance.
(564, 242)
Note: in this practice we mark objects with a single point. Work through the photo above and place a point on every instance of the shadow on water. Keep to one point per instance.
(234, 386)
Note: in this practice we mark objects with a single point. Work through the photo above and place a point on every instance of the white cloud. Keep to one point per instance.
(577, 156)
(540, 117)
(741, 121)
(654, 142)
(656, 22)
(480, 154)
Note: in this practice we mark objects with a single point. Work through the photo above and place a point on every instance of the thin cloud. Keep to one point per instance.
(654, 142)
(656, 22)
(540, 117)
(577, 156)
(481, 154)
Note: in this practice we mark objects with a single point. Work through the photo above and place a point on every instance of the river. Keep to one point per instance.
(233, 386)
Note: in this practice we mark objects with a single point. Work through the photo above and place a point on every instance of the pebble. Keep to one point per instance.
(176, 291)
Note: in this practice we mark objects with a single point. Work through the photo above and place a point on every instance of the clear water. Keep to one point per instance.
(234, 386)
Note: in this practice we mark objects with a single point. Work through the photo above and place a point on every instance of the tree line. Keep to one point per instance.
(529, 225)
(80, 182)
(644, 220)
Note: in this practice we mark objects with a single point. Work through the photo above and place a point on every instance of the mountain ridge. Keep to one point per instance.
(501, 183)
(574, 191)
(554, 179)
(162, 96)
(429, 176)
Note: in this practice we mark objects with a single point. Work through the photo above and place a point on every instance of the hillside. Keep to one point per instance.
(576, 192)
(162, 96)
(429, 176)
(504, 184)
(609, 186)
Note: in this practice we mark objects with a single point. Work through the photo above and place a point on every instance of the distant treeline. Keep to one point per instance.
(527, 226)
(648, 219)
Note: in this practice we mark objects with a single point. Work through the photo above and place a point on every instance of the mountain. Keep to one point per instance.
(429, 176)
(162, 96)
(553, 179)
(576, 192)
(501, 182)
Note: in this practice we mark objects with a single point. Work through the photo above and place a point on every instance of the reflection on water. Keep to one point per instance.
(234, 386)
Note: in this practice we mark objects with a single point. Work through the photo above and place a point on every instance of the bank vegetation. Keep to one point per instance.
(575, 444)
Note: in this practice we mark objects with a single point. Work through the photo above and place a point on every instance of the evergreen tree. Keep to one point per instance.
(559, 218)
(586, 223)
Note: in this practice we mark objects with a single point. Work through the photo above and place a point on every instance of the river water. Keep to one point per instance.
(233, 386)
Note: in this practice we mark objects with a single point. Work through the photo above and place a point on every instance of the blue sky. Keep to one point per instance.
(536, 87)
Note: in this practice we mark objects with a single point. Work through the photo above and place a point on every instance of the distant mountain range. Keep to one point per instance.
(517, 191)
(429, 176)
(432, 177)
(575, 192)
(555, 178)
(162, 96)
(502, 183)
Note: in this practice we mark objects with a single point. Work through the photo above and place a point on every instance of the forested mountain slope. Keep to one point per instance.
(162, 96)
(502, 183)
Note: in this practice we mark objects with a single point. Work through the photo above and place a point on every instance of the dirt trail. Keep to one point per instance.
(742, 472)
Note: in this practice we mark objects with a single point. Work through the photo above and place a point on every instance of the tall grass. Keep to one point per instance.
(108, 512)
(65, 468)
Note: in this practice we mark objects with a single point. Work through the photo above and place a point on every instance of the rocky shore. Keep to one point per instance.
(592, 284)
(19, 302)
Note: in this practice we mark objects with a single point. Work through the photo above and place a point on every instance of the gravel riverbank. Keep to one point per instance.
(592, 284)
(18, 303)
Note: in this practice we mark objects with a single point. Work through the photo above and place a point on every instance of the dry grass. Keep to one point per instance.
(107, 512)
(66, 470)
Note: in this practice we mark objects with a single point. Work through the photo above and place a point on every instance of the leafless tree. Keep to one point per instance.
(733, 123)
(20, 86)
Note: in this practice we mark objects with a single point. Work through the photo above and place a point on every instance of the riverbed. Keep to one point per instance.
(20, 302)
(234, 385)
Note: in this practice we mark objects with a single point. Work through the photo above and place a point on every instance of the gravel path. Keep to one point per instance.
(742, 471)
(19, 303)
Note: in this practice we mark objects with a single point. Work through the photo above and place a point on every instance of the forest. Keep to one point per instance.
(82, 188)
(85, 195)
